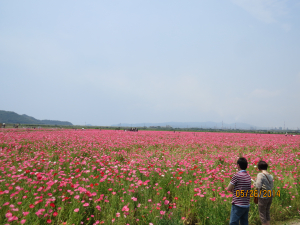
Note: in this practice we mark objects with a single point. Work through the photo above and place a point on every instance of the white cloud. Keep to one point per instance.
(267, 11)
(261, 93)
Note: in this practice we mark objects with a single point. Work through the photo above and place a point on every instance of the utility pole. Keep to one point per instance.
(284, 125)
(222, 124)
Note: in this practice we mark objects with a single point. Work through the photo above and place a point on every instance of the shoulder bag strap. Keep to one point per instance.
(267, 178)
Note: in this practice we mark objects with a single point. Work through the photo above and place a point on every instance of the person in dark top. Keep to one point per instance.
(240, 185)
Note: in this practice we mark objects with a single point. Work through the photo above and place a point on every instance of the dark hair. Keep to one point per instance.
(262, 165)
(243, 163)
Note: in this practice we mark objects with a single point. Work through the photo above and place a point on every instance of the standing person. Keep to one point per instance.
(240, 185)
(264, 184)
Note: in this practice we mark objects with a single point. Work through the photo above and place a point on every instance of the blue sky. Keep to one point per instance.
(108, 62)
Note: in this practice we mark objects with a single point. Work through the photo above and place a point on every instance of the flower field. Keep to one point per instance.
(56, 176)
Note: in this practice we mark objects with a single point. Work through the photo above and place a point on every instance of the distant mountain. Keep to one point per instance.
(12, 117)
(206, 125)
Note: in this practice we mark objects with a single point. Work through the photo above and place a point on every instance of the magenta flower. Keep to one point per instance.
(25, 213)
(162, 212)
(7, 215)
(125, 208)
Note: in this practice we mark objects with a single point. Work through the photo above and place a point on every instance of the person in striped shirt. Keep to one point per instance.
(240, 185)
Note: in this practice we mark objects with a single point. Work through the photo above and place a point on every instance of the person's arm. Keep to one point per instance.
(258, 183)
(230, 187)
(232, 183)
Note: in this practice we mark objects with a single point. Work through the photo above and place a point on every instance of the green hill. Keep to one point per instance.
(12, 117)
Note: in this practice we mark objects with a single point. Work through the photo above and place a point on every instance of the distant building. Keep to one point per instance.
(280, 128)
(168, 126)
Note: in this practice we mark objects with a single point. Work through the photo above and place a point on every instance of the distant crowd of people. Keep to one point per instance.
(132, 129)
(3, 125)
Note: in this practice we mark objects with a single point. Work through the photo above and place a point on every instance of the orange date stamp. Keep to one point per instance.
(257, 193)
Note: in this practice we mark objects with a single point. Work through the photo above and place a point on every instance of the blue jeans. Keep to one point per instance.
(239, 214)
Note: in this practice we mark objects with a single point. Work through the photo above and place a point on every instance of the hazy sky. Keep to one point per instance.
(108, 62)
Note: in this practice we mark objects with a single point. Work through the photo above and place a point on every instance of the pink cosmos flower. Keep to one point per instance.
(76, 210)
(40, 212)
(125, 208)
(25, 213)
(12, 218)
(140, 182)
(86, 204)
(134, 199)
(8, 214)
